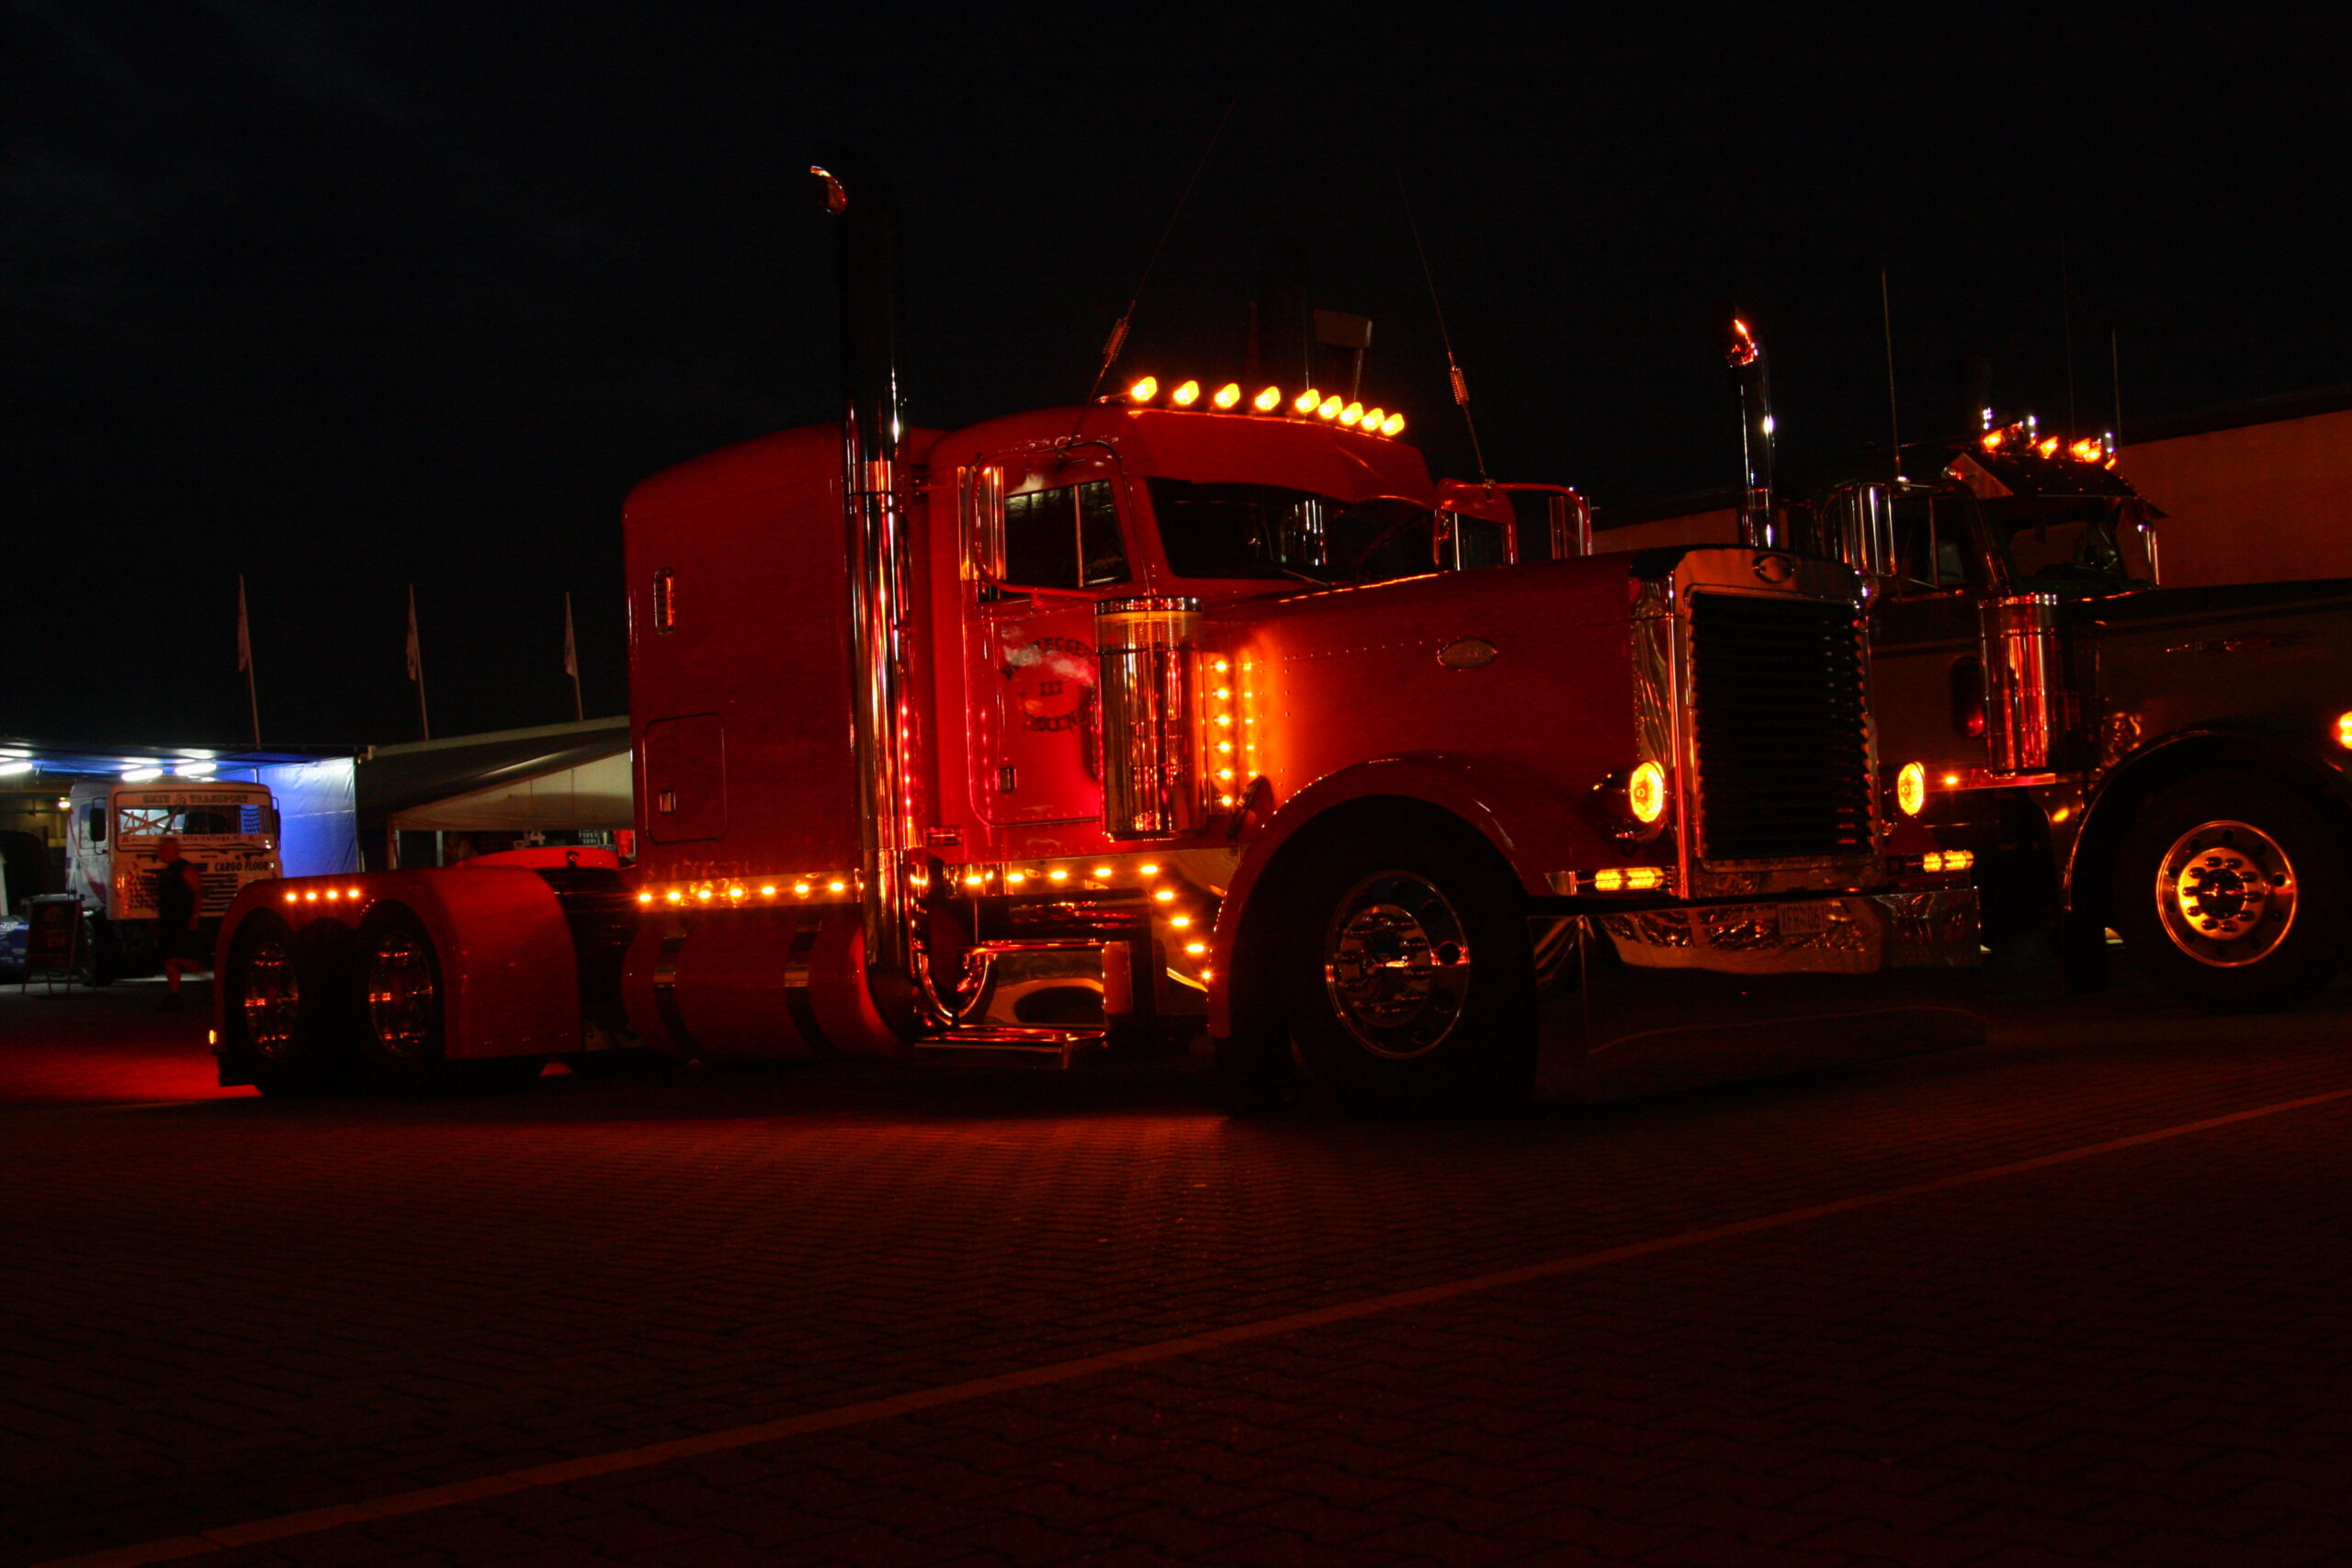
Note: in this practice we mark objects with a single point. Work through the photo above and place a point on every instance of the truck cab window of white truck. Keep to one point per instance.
(1267, 531)
(189, 822)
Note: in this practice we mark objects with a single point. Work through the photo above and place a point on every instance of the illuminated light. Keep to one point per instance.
(1227, 395)
(1306, 401)
(676, 896)
(333, 894)
(1644, 879)
(1225, 800)
(1392, 424)
(1225, 745)
(1207, 972)
(1770, 424)
(767, 890)
(645, 897)
(837, 886)
(15, 765)
(973, 880)
(1222, 666)
(1329, 408)
(2049, 447)
(800, 889)
(1371, 418)
(1911, 789)
(1224, 695)
(1015, 878)
(1146, 869)
(1166, 895)
(1958, 859)
(311, 897)
(1179, 921)
(1645, 793)
(735, 893)
(291, 897)
(1185, 396)
(1144, 390)
(1225, 773)
(702, 892)
(1103, 870)
(1225, 718)
(1351, 414)
(195, 769)
(1196, 948)
(140, 775)
(1951, 781)
(212, 1037)
(1993, 439)
(1058, 874)
(353, 894)
(2088, 450)
(2344, 730)
(1931, 861)
(1608, 882)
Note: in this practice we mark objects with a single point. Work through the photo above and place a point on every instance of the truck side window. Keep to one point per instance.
(1067, 537)
(98, 821)
(1267, 531)
(1479, 543)
(1931, 543)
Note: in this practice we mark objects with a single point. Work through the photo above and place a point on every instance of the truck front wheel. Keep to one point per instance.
(1407, 976)
(280, 1008)
(2231, 893)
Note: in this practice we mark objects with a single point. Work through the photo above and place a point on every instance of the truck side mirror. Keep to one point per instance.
(1856, 525)
(98, 821)
(983, 509)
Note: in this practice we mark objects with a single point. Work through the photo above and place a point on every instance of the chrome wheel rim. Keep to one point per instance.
(403, 998)
(271, 995)
(1396, 965)
(2226, 891)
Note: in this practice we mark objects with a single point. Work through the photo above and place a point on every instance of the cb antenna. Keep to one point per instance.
(1118, 338)
(1886, 320)
(1453, 366)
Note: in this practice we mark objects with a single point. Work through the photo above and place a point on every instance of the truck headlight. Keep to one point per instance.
(1911, 788)
(1645, 793)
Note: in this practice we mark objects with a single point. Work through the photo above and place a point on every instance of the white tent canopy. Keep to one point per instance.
(597, 794)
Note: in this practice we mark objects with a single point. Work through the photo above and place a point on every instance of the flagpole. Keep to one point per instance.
(245, 659)
(416, 665)
(571, 660)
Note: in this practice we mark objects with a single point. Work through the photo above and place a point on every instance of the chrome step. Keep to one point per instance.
(1005, 1045)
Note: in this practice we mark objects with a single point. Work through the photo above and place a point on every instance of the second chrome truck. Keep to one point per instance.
(1198, 709)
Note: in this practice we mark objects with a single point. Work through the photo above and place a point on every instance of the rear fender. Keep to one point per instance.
(510, 978)
(1532, 826)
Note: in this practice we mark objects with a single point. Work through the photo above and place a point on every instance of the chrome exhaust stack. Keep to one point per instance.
(874, 514)
(1759, 529)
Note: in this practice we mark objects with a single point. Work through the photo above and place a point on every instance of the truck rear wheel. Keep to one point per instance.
(401, 1035)
(2231, 893)
(282, 1011)
(1405, 973)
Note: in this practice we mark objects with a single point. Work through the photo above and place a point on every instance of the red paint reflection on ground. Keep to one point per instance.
(82, 1047)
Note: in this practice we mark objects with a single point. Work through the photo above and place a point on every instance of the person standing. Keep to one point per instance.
(179, 888)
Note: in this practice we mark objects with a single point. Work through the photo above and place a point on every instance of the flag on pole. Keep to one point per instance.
(244, 632)
(415, 650)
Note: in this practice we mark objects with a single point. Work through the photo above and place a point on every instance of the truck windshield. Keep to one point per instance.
(189, 822)
(2061, 540)
(1267, 531)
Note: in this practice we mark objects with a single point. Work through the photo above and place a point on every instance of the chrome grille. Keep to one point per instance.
(1782, 736)
(219, 891)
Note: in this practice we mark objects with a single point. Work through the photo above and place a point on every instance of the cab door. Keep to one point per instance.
(1029, 636)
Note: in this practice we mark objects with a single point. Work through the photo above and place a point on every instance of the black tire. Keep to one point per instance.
(1404, 967)
(403, 1038)
(101, 954)
(2231, 893)
(285, 1012)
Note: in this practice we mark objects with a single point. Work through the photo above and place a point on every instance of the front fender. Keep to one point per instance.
(1534, 826)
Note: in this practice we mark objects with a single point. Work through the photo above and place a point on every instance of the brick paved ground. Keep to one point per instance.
(231, 1309)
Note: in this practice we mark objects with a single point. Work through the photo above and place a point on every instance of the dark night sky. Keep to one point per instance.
(349, 296)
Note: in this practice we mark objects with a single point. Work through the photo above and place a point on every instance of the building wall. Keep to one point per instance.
(2254, 504)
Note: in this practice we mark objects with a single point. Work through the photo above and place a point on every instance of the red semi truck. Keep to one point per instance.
(1200, 707)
